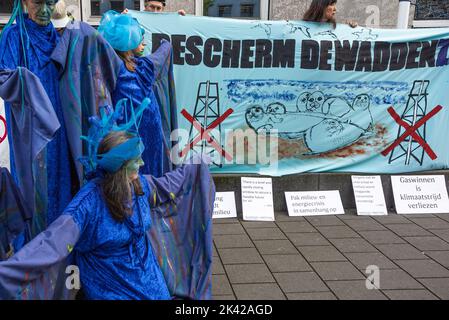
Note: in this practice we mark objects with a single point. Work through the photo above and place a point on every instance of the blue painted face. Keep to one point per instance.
(132, 168)
(40, 11)
(139, 51)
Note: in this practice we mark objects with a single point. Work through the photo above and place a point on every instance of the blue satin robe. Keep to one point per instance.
(42, 41)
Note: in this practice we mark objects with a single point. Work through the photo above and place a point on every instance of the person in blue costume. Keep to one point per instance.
(106, 228)
(114, 255)
(135, 83)
(29, 43)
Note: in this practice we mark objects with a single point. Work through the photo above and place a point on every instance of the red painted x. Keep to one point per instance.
(411, 131)
(204, 133)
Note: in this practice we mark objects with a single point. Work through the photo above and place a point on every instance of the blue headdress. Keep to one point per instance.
(122, 31)
(102, 125)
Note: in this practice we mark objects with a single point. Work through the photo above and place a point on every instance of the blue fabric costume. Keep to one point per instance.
(14, 215)
(90, 71)
(163, 249)
(124, 33)
(135, 86)
(88, 67)
(118, 254)
(164, 90)
(116, 260)
(37, 46)
(32, 125)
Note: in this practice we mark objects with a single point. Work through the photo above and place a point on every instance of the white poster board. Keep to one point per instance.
(369, 195)
(257, 199)
(4, 145)
(420, 194)
(224, 205)
(314, 203)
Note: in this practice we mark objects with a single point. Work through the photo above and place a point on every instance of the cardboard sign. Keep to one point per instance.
(369, 195)
(224, 205)
(257, 199)
(420, 194)
(314, 203)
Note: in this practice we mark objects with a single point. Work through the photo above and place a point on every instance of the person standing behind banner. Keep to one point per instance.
(324, 11)
(135, 83)
(159, 6)
(60, 17)
(156, 6)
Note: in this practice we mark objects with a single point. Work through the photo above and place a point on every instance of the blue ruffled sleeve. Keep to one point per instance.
(167, 189)
(148, 67)
(161, 59)
(83, 210)
(31, 273)
(145, 71)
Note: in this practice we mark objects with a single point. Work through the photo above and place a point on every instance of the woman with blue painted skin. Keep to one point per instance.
(114, 255)
(135, 82)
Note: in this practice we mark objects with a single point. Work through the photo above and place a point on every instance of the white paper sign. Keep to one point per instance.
(314, 203)
(224, 205)
(369, 195)
(420, 194)
(257, 199)
(4, 145)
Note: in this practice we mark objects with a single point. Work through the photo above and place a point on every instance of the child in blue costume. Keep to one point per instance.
(135, 83)
(29, 43)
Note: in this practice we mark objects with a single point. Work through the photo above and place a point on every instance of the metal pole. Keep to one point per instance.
(415, 116)
(264, 9)
(206, 109)
(199, 8)
(403, 14)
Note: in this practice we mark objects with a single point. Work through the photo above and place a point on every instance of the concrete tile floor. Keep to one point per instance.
(322, 258)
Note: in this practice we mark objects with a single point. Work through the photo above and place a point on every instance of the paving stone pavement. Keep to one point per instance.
(326, 258)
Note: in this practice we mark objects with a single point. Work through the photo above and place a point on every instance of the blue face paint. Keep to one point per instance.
(134, 165)
(40, 11)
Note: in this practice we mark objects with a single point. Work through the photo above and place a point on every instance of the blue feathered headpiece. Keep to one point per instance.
(103, 124)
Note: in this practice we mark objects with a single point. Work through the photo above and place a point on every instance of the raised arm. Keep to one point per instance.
(161, 58)
(32, 272)
(34, 267)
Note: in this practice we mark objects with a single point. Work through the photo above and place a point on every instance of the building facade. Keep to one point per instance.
(370, 13)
